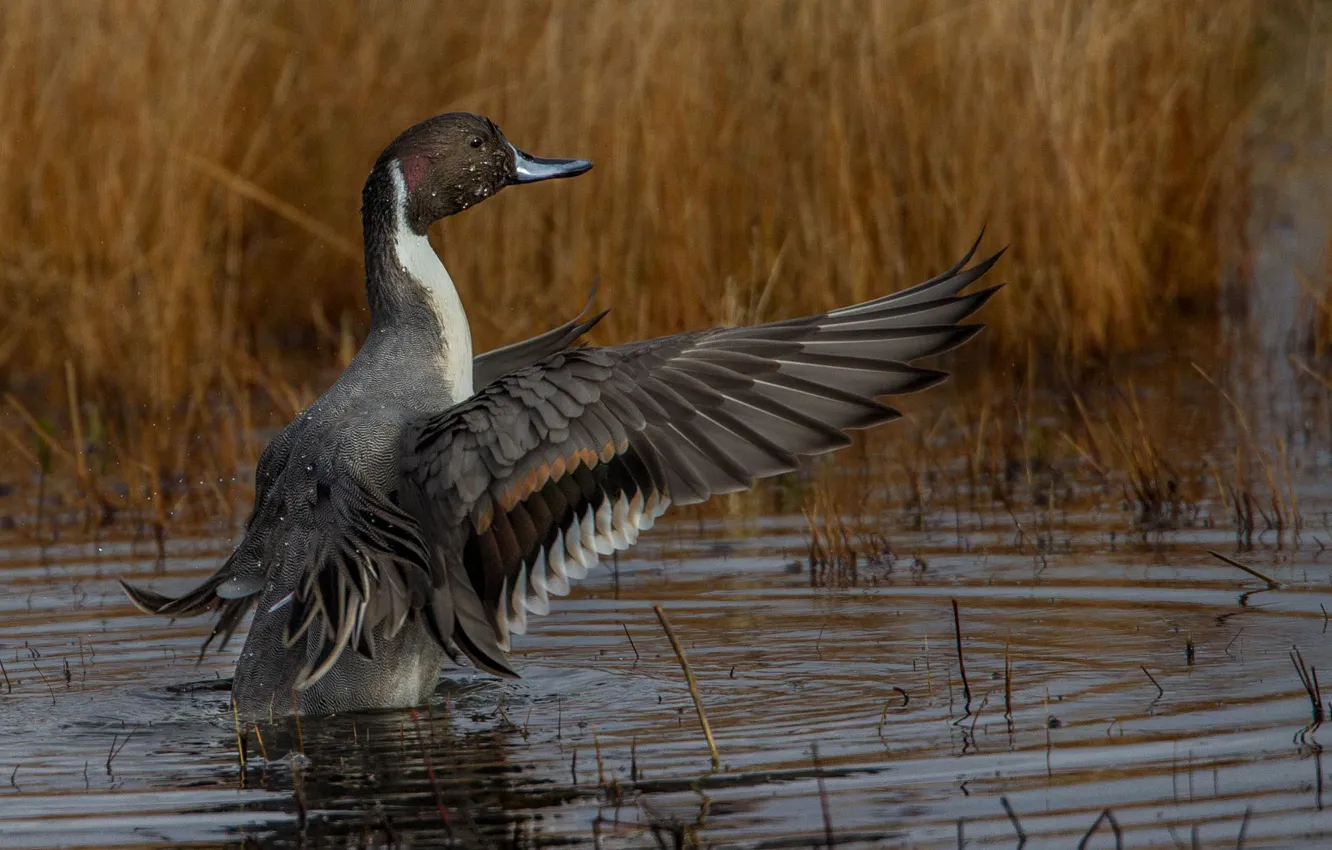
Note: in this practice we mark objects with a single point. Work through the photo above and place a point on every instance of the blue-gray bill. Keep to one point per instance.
(531, 169)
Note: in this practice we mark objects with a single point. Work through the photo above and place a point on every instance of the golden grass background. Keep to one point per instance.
(181, 183)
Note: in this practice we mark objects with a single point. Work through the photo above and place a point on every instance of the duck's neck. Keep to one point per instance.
(410, 292)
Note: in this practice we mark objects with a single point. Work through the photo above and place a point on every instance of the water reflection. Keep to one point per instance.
(375, 777)
(1140, 677)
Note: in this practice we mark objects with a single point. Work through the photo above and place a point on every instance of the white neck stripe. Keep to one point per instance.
(420, 262)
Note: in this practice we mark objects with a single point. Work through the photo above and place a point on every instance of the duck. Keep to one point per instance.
(432, 499)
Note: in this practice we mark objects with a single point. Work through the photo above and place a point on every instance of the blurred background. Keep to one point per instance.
(180, 197)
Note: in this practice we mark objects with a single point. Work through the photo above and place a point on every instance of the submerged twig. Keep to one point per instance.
(430, 772)
(1272, 584)
(1309, 679)
(961, 664)
(259, 736)
(1008, 685)
(971, 730)
(41, 676)
(601, 766)
(240, 739)
(1160, 691)
(631, 642)
(693, 686)
(1013, 819)
(823, 801)
(1106, 815)
(114, 750)
(1232, 641)
(883, 717)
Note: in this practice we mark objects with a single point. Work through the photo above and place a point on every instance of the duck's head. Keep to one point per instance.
(456, 160)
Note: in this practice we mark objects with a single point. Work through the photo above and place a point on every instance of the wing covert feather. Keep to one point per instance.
(565, 460)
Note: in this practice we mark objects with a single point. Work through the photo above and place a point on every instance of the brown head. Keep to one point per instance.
(455, 160)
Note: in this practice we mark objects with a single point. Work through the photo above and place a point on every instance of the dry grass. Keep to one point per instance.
(1164, 446)
(180, 205)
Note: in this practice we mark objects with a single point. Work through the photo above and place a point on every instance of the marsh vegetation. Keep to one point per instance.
(181, 261)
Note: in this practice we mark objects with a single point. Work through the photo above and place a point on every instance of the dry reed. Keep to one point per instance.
(693, 684)
(180, 265)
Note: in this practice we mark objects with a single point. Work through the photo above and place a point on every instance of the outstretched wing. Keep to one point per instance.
(556, 464)
(491, 365)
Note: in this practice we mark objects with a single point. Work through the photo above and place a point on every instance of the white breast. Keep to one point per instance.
(420, 261)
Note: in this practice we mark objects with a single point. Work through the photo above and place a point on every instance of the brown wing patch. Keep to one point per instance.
(485, 515)
(536, 477)
(527, 550)
(534, 480)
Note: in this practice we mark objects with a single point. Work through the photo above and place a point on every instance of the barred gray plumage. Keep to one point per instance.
(403, 517)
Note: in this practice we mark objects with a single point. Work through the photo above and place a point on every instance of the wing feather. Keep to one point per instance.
(583, 450)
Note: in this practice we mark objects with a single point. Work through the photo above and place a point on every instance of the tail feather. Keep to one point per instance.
(200, 600)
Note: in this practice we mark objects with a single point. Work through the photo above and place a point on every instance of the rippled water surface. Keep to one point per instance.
(840, 713)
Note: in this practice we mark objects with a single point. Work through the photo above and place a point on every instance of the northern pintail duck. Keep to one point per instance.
(430, 500)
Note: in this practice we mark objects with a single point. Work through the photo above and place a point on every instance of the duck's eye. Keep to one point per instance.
(476, 141)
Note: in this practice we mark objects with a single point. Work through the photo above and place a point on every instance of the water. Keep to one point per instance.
(598, 743)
